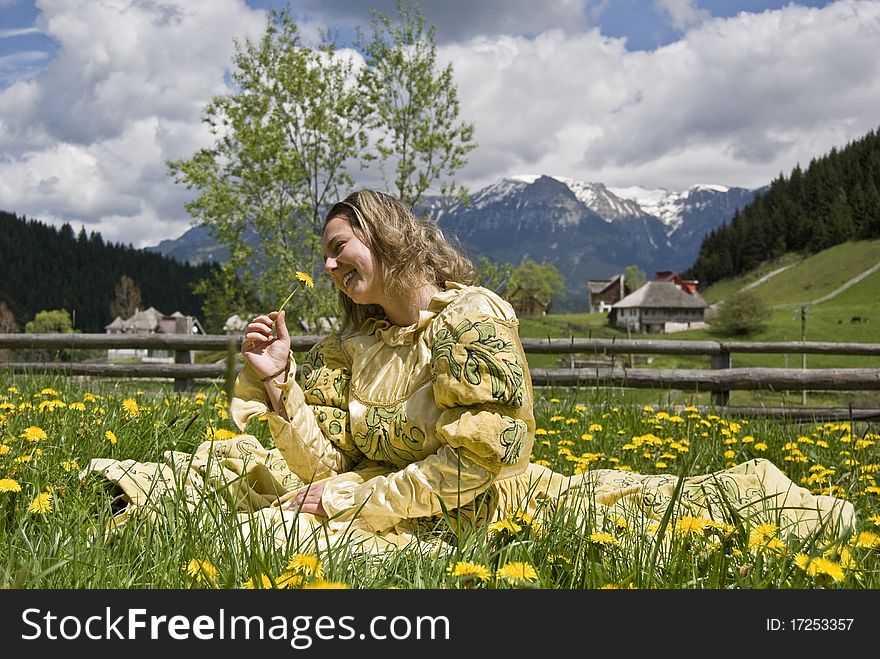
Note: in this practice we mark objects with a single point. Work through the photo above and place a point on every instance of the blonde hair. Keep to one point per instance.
(409, 250)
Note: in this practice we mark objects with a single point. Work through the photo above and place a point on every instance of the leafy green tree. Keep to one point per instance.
(533, 286)
(287, 139)
(414, 107)
(743, 312)
(493, 275)
(56, 321)
(633, 278)
(284, 142)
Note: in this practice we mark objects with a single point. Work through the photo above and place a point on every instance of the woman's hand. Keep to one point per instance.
(267, 354)
(308, 500)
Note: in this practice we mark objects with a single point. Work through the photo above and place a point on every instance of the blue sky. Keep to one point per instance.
(96, 96)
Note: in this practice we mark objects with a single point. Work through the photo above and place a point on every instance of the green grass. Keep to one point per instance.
(66, 546)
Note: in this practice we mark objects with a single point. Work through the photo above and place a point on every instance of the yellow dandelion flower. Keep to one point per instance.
(306, 564)
(504, 525)
(255, 583)
(79, 407)
(729, 455)
(763, 532)
(760, 446)
(690, 526)
(70, 465)
(201, 571)
(4, 449)
(554, 400)
(289, 580)
(34, 434)
(306, 279)
(603, 538)
(48, 391)
(218, 434)
(595, 427)
(818, 566)
(110, 436)
(41, 504)
(131, 406)
(9, 485)
(518, 572)
(868, 540)
(326, 585)
(466, 569)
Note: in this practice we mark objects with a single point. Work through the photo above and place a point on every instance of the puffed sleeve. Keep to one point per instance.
(486, 425)
(316, 442)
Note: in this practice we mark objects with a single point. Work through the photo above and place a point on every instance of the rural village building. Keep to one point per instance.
(602, 293)
(660, 307)
(151, 321)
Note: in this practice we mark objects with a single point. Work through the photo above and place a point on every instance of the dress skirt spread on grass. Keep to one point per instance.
(423, 432)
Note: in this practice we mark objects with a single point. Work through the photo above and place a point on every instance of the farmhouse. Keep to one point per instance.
(602, 293)
(151, 321)
(659, 307)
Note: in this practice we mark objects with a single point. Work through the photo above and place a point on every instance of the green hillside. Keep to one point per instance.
(805, 279)
(851, 316)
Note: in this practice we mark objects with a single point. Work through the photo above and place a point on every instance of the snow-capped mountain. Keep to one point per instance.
(586, 229)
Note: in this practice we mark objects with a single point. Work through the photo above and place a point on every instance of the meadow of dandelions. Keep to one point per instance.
(54, 525)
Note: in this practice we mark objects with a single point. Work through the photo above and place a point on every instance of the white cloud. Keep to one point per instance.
(683, 14)
(734, 102)
(87, 139)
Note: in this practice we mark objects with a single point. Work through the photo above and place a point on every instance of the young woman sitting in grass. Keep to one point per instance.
(415, 420)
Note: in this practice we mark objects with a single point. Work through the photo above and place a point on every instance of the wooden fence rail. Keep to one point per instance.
(720, 378)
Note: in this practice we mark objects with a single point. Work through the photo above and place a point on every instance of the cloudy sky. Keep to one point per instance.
(95, 95)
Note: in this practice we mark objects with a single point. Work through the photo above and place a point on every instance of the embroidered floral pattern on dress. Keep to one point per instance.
(471, 350)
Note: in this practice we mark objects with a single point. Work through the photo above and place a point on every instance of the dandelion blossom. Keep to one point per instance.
(131, 406)
(110, 436)
(868, 540)
(604, 538)
(306, 564)
(518, 572)
(466, 569)
(255, 583)
(34, 434)
(326, 585)
(201, 571)
(41, 504)
(307, 282)
(9, 485)
(504, 525)
(289, 580)
(818, 566)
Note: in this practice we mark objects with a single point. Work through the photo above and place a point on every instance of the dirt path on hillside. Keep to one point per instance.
(837, 291)
(765, 277)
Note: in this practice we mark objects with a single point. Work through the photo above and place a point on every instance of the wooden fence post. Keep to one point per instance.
(721, 398)
(182, 326)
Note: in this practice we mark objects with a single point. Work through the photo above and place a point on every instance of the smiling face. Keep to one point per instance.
(350, 263)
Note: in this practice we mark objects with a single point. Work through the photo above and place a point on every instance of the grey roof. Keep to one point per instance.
(599, 285)
(661, 295)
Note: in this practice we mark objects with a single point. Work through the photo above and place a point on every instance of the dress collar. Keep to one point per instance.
(396, 335)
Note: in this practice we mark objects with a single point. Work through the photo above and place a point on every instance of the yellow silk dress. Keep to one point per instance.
(419, 433)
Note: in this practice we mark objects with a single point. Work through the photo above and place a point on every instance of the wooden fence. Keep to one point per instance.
(719, 379)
